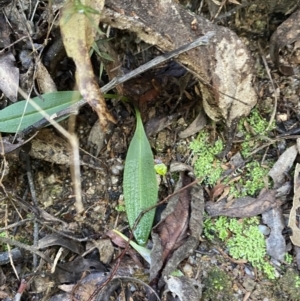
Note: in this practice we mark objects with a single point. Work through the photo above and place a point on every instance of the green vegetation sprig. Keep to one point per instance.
(22, 114)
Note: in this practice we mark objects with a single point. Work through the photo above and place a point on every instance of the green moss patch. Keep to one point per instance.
(243, 239)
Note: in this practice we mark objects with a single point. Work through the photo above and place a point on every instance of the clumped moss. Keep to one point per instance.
(258, 126)
(243, 240)
(251, 182)
(288, 258)
(242, 237)
(207, 166)
(217, 286)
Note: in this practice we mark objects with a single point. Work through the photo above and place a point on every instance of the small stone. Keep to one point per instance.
(91, 191)
(114, 180)
(116, 169)
(188, 270)
(51, 179)
(264, 229)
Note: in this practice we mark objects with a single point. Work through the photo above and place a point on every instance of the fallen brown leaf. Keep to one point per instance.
(173, 229)
(78, 46)
(195, 224)
(245, 206)
(293, 220)
(58, 240)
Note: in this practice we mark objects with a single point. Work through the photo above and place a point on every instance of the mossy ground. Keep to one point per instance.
(249, 179)
(290, 283)
(242, 237)
(217, 286)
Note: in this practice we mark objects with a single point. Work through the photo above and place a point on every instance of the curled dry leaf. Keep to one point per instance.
(298, 145)
(198, 124)
(179, 167)
(158, 123)
(105, 248)
(276, 246)
(293, 220)
(192, 200)
(172, 230)
(9, 73)
(44, 80)
(58, 240)
(286, 34)
(78, 46)
(73, 271)
(98, 136)
(245, 206)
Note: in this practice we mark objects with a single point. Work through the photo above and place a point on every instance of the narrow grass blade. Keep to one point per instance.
(11, 118)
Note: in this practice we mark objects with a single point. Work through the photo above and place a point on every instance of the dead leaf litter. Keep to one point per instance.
(50, 252)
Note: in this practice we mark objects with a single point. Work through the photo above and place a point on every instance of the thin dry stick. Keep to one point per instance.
(276, 93)
(30, 180)
(75, 149)
(219, 10)
(12, 44)
(3, 165)
(8, 246)
(57, 257)
(272, 141)
(24, 221)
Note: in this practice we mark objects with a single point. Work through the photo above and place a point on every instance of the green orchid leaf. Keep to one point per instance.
(22, 114)
(140, 184)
